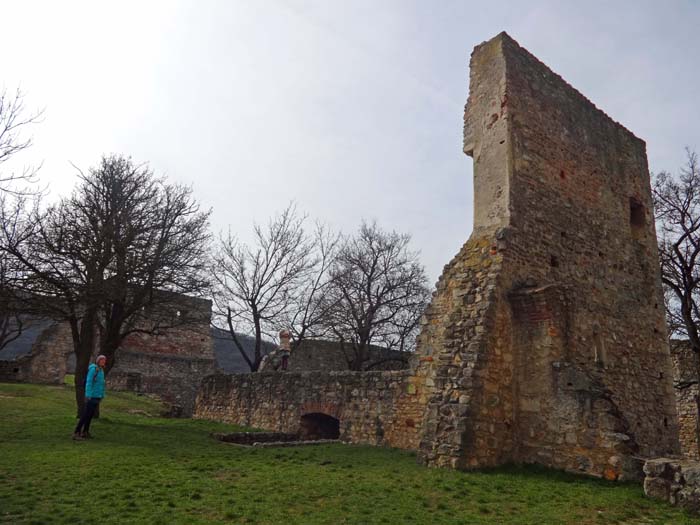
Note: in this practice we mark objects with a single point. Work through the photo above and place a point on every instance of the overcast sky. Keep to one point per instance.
(353, 109)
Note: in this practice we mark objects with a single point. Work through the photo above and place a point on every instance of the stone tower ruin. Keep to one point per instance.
(546, 340)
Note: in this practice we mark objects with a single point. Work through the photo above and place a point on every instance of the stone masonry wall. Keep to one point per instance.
(376, 408)
(48, 361)
(15, 370)
(171, 365)
(545, 341)
(582, 224)
(546, 334)
(174, 378)
(685, 370)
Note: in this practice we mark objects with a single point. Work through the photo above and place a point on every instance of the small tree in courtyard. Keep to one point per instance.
(378, 293)
(108, 259)
(255, 285)
(310, 306)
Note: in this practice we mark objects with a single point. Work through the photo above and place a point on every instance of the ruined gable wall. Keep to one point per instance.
(594, 375)
(467, 367)
(545, 338)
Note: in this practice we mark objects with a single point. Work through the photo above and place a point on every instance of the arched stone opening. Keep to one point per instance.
(317, 425)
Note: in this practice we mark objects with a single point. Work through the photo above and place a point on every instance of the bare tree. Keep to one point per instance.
(110, 258)
(14, 120)
(12, 321)
(677, 209)
(255, 285)
(310, 307)
(378, 294)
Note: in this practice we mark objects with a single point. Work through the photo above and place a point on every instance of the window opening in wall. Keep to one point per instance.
(665, 422)
(637, 216)
(553, 261)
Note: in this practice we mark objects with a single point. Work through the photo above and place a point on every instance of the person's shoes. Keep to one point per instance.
(86, 435)
(77, 436)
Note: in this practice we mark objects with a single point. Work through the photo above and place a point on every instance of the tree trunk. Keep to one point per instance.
(361, 355)
(108, 347)
(258, 343)
(83, 347)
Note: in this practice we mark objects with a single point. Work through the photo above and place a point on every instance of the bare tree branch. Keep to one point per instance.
(256, 285)
(14, 120)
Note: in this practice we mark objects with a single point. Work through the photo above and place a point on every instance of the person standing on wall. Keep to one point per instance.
(94, 392)
(285, 348)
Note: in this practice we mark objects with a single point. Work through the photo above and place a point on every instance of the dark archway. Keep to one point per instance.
(318, 426)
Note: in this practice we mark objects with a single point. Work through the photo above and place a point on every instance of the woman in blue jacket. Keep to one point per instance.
(94, 392)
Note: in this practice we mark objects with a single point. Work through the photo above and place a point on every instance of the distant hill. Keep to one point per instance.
(228, 357)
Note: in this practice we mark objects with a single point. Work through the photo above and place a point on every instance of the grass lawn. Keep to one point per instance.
(144, 469)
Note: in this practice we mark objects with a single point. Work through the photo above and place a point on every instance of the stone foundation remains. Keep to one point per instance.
(675, 481)
(545, 341)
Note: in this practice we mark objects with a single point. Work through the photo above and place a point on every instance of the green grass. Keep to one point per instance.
(143, 469)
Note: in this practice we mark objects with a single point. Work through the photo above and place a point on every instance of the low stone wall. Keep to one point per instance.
(15, 370)
(675, 481)
(376, 408)
(174, 378)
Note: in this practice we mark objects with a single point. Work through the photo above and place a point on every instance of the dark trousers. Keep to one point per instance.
(91, 405)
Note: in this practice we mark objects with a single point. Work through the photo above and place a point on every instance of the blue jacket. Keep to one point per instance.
(95, 382)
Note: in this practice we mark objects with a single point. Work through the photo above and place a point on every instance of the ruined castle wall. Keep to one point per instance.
(547, 332)
(377, 408)
(685, 367)
(174, 378)
(48, 361)
(469, 402)
(170, 365)
(15, 370)
(582, 223)
(50, 355)
(317, 354)
(466, 365)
